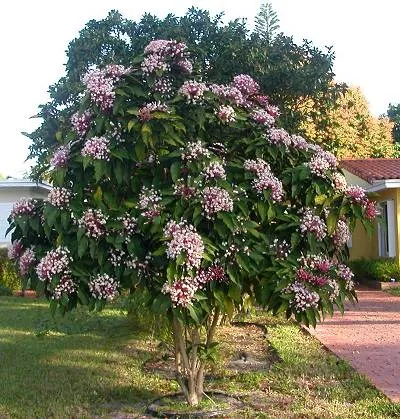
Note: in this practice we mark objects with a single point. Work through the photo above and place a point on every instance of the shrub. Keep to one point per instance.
(186, 192)
(9, 276)
(376, 269)
(4, 290)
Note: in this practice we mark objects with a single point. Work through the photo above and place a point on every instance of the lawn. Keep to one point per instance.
(89, 364)
(394, 291)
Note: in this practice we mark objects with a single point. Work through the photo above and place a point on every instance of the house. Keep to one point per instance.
(381, 176)
(11, 190)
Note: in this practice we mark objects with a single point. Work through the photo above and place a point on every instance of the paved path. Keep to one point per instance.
(368, 337)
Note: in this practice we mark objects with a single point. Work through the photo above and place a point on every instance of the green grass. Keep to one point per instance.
(394, 291)
(89, 364)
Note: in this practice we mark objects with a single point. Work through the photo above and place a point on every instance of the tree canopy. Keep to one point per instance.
(290, 74)
(351, 130)
(184, 191)
(266, 23)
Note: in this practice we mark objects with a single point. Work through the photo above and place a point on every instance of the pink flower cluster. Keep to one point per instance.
(164, 48)
(319, 271)
(226, 113)
(16, 250)
(26, 260)
(60, 157)
(23, 207)
(66, 286)
(130, 224)
(193, 91)
(183, 290)
(184, 191)
(93, 221)
(81, 122)
(103, 287)
(160, 52)
(215, 170)
(101, 88)
(371, 210)
(154, 63)
(216, 199)
(184, 65)
(311, 223)
(185, 240)
(358, 196)
(212, 273)
(149, 202)
(194, 150)
(230, 93)
(344, 273)
(278, 136)
(163, 86)
(303, 298)
(262, 117)
(342, 234)
(339, 182)
(141, 267)
(145, 112)
(321, 162)
(59, 197)
(280, 248)
(299, 143)
(246, 84)
(97, 148)
(55, 262)
(265, 179)
(315, 270)
(116, 71)
(116, 257)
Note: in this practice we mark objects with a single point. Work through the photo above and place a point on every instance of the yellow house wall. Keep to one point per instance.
(366, 246)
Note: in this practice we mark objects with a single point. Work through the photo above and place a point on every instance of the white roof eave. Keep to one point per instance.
(25, 184)
(380, 185)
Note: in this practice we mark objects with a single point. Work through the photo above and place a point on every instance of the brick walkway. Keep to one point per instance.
(368, 337)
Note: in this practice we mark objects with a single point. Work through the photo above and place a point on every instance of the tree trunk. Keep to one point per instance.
(189, 367)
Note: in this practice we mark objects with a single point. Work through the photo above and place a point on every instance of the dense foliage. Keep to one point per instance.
(351, 130)
(385, 270)
(393, 114)
(186, 192)
(9, 275)
(291, 74)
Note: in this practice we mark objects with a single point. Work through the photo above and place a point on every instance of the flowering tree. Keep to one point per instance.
(187, 191)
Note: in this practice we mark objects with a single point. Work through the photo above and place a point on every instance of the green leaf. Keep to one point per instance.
(175, 171)
(193, 314)
(131, 124)
(82, 246)
(140, 151)
(262, 208)
(98, 195)
(331, 221)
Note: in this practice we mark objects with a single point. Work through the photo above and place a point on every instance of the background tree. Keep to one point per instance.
(266, 23)
(185, 192)
(393, 113)
(291, 74)
(351, 130)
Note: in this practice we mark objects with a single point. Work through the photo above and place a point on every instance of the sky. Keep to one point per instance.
(35, 35)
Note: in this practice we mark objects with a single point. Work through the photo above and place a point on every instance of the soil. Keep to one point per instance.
(244, 347)
(222, 406)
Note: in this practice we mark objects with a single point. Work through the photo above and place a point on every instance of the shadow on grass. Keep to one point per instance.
(70, 366)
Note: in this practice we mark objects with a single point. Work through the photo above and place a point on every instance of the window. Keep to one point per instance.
(386, 230)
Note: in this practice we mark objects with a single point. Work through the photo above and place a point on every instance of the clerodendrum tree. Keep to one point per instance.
(291, 74)
(168, 186)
